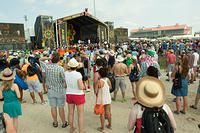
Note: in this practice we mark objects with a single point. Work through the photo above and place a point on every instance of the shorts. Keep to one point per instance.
(56, 99)
(75, 99)
(120, 82)
(191, 71)
(170, 67)
(87, 72)
(34, 86)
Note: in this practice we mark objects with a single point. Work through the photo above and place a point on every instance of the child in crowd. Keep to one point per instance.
(105, 84)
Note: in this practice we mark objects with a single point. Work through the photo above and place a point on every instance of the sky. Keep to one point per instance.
(131, 14)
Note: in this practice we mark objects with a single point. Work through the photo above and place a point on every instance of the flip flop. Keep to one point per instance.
(176, 112)
(100, 129)
(109, 127)
(192, 106)
(183, 112)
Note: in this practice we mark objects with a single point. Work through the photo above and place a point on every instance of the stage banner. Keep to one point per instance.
(63, 34)
(102, 35)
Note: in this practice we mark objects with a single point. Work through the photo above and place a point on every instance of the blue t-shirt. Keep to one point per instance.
(182, 46)
(165, 46)
(70, 56)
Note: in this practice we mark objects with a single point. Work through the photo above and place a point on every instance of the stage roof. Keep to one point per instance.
(83, 18)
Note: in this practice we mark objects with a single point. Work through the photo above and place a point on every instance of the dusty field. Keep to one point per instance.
(37, 118)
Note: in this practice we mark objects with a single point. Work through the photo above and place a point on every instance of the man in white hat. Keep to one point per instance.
(119, 70)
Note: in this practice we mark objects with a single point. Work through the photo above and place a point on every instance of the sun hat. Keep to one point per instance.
(7, 74)
(73, 63)
(84, 55)
(171, 51)
(150, 53)
(150, 92)
(120, 58)
(134, 58)
(112, 53)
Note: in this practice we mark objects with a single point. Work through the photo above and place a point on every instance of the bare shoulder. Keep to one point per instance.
(14, 86)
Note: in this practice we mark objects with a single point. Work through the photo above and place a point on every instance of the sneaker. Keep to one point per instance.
(114, 99)
(44, 102)
(35, 102)
(87, 90)
(123, 101)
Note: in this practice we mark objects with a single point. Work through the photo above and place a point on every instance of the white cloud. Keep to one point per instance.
(3, 17)
(29, 1)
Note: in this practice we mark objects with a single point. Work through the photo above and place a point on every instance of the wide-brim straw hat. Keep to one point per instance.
(134, 58)
(150, 92)
(7, 74)
(112, 53)
(73, 63)
(85, 55)
(120, 58)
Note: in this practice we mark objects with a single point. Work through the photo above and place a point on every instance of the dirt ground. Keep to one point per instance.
(37, 118)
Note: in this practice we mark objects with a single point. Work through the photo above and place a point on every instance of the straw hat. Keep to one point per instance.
(73, 63)
(7, 74)
(120, 58)
(134, 58)
(150, 92)
(112, 53)
(84, 55)
(171, 51)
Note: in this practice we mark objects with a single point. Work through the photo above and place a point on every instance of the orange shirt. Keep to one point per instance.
(34, 77)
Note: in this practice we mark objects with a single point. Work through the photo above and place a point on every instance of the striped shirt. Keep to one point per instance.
(55, 76)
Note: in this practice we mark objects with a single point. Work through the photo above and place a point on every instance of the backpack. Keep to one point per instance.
(155, 120)
(134, 75)
(30, 71)
(85, 62)
(177, 82)
(111, 77)
(105, 62)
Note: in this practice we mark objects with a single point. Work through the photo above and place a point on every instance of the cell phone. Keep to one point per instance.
(2, 124)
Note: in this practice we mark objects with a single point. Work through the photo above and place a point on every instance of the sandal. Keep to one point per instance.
(183, 112)
(65, 124)
(55, 124)
(109, 127)
(100, 129)
(192, 106)
(176, 112)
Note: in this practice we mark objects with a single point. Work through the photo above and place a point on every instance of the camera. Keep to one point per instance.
(2, 124)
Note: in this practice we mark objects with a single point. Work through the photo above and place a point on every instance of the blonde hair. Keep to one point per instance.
(7, 84)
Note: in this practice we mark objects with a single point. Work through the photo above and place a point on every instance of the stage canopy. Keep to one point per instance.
(82, 26)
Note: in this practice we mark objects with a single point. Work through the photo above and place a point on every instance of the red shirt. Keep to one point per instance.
(171, 58)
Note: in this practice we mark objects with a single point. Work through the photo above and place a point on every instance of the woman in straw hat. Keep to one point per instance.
(75, 95)
(150, 92)
(134, 74)
(10, 92)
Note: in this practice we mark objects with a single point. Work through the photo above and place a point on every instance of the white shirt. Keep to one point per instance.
(71, 79)
(196, 58)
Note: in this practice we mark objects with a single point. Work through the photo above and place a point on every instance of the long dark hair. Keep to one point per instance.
(185, 67)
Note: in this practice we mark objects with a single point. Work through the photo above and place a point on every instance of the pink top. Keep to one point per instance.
(134, 115)
(171, 58)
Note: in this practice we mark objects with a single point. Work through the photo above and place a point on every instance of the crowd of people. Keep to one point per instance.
(66, 78)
